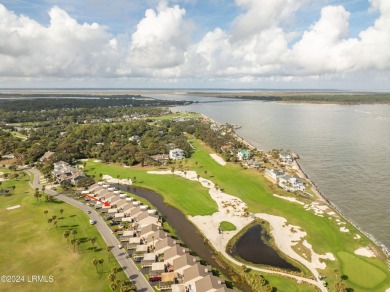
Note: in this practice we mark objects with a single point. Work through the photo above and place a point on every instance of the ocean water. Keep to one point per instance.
(344, 149)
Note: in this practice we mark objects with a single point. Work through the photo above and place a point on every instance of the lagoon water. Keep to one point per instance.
(344, 149)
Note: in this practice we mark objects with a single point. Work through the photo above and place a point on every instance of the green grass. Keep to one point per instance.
(188, 196)
(31, 246)
(284, 284)
(227, 226)
(256, 192)
(176, 116)
(360, 273)
(18, 135)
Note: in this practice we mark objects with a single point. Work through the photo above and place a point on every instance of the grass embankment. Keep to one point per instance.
(32, 246)
(177, 115)
(227, 226)
(256, 192)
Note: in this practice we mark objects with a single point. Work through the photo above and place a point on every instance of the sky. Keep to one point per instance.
(238, 44)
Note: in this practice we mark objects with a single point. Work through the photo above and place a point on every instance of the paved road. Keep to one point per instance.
(123, 259)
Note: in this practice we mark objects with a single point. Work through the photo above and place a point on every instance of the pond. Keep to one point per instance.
(252, 248)
(185, 230)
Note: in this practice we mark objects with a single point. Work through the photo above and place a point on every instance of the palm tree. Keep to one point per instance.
(54, 217)
(173, 170)
(198, 177)
(55, 224)
(73, 241)
(74, 232)
(66, 235)
(61, 211)
(205, 172)
(125, 224)
(43, 189)
(93, 240)
(95, 263)
(134, 179)
(118, 178)
(108, 249)
(78, 244)
(101, 261)
(113, 286)
(49, 221)
(185, 174)
(112, 277)
(45, 212)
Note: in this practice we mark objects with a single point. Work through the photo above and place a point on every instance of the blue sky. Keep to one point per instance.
(195, 43)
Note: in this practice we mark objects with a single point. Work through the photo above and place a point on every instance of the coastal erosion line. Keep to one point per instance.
(315, 189)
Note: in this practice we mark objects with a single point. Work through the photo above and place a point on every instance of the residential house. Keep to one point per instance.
(161, 158)
(251, 163)
(46, 156)
(274, 173)
(285, 157)
(163, 245)
(148, 260)
(208, 283)
(292, 184)
(173, 253)
(184, 262)
(63, 171)
(176, 154)
(243, 154)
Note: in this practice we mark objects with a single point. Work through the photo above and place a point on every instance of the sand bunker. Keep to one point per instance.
(365, 251)
(112, 180)
(344, 229)
(291, 199)
(13, 207)
(218, 159)
(234, 210)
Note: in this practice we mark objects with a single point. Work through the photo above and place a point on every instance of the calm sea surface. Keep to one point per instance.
(344, 149)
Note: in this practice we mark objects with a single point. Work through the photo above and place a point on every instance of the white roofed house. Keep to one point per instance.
(291, 183)
(285, 157)
(148, 260)
(274, 173)
(176, 154)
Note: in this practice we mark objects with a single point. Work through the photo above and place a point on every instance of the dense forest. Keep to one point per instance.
(127, 142)
(16, 110)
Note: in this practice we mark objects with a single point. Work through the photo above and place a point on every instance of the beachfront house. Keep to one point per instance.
(251, 163)
(274, 173)
(291, 183)
(243, 154)
(285, 157)
(176, 154)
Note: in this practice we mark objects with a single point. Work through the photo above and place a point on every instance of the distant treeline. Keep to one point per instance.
(34, 104)
(319, 98)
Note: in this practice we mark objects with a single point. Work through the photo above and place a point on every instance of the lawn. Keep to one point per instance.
(31, 246)
(256, 192)
(227, 226)
(188, 196)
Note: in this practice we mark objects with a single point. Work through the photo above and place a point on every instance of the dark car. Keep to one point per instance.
(155, 279)
(109, 217)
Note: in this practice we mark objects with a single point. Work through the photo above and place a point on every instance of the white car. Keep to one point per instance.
(120, 246)
(92, 222)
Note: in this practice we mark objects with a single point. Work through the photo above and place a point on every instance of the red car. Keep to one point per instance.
(155, 279)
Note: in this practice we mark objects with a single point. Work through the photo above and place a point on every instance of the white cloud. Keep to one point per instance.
(64, 48)
(255, 48)
(161, 39)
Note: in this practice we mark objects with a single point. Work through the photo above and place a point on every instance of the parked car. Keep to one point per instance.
(92, 222)
(88, 212)
(120, 246)
(109, 218)
(155, 279)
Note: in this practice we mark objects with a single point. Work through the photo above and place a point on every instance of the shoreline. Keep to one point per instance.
(315, 189)
(380, 245)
